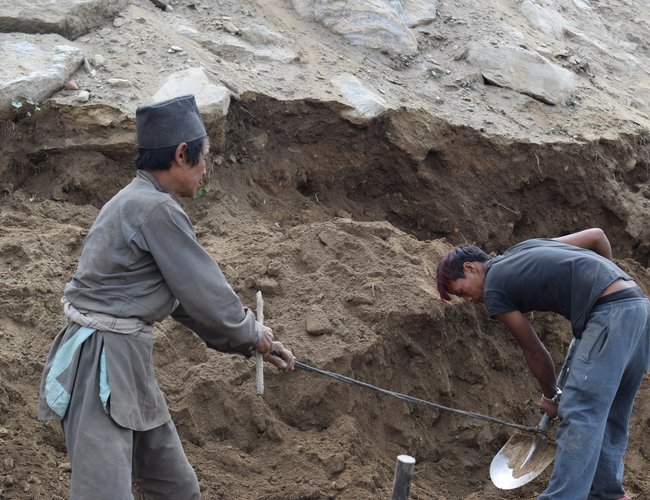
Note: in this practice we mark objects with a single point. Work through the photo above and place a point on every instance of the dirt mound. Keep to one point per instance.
(340, 229)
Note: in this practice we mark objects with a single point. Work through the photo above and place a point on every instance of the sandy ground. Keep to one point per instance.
(365, 287)
(341, 230)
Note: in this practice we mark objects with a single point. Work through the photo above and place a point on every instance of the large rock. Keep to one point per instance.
(544, 19)
(419, 12)
(366, 105)
(525, 72)
(34, 66)
(253, 41)
(69, 18)
(212, 99)
(377, 24)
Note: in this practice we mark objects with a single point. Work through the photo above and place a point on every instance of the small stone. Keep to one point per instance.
(230, 27)
(83, 96)
(65, 467)
(358, 299)
(72, 85)
(335, 464)
(119, 82)
(267, 285)
(273, 269)
(317, 324)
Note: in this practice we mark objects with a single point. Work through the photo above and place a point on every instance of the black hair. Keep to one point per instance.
(450, 267)
(161, 158)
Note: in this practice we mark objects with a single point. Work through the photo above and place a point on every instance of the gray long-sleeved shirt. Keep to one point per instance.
(141, 259)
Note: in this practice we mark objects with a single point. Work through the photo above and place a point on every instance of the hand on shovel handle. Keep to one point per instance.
(548, 408)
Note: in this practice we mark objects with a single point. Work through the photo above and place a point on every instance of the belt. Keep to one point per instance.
(626, 293)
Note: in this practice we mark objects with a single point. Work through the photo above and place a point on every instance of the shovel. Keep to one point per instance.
(523, 458)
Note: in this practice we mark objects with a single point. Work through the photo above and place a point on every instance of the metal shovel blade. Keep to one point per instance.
(522, 459)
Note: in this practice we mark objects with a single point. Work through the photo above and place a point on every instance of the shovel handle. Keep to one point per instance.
(564, 372)
(543, 423)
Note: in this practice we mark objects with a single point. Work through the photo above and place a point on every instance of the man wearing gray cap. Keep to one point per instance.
(140, 263)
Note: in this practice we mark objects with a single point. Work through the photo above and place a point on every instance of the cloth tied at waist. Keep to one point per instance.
(104, 322)
(57, 389)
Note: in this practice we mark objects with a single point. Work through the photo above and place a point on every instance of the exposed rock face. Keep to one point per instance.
(410, 51)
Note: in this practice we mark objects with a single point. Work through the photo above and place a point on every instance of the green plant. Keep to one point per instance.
(560, 130)
(23, 107)
(572, 102)
(201, 191)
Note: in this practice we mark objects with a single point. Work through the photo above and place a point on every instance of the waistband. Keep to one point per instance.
(626, 293)
(104, 322)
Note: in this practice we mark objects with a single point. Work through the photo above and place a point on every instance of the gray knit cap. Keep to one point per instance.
(168, 123)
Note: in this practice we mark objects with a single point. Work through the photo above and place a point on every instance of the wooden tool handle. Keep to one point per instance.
(259, 361)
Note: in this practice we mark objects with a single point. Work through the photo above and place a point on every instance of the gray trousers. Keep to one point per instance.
(607, 370)
(106, 457)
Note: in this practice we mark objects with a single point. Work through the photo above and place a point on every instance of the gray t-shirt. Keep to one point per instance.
(546, 275)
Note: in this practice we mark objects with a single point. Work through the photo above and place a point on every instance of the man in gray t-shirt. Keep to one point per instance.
(573, 276)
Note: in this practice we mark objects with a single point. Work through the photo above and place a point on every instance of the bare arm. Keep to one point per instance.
(538, 359)
(591, 239)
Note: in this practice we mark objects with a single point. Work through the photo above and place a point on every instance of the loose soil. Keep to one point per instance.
(341, 229)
